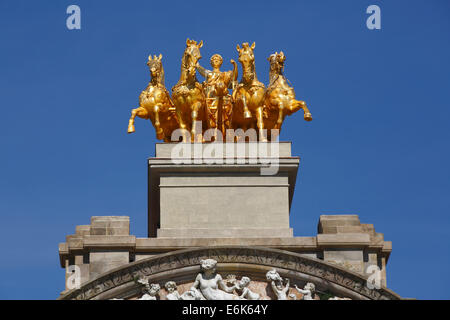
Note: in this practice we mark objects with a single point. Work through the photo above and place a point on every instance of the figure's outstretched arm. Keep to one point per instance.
(274, 287)
(301, 291)
(235, 70)
(204, 72)
(234, 74)
(224, 287)
(287, 286)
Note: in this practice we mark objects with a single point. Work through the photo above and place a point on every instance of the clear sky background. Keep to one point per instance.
(378, 145)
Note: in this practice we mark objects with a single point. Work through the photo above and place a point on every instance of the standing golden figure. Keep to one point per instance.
(187, 94)
(248, 96)
(280, 99)
(250, 106)
(218, 100)
(155, 103)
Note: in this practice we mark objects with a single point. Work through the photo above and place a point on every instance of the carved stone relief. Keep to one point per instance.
(209, 284)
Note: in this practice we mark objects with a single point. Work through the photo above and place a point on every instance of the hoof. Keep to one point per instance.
(308, 116)
(160, 135)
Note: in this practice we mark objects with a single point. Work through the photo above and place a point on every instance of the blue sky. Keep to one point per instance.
(378, 145)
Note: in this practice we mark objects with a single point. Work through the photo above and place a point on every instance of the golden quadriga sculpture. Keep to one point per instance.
(249, 106)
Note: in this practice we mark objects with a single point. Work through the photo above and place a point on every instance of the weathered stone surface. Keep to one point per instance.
(330, 223)
(110, 225)
(220, 201)
(103, 261)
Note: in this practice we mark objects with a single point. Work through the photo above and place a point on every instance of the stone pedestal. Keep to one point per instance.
(194, 194)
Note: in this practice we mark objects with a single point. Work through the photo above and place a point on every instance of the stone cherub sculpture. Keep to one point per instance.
(150, 290)
(308, 291)
(276, 282)
(173, 293)
(242, 286)
(211, 284)
(171, 288)
(218, 103)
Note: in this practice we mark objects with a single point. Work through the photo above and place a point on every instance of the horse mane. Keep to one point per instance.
(274, 72)
(183, 69)
(161, 79)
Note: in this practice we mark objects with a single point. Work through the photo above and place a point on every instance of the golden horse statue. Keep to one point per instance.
(248, 96)
(187, 94)
(279, 98)
(155, 103)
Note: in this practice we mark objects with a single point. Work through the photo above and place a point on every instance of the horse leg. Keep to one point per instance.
(280, 116)
(159, 130)
(247, 113)
(141, 113)
(260, 123)
(180, 119)
(194, 114)
(307, 115)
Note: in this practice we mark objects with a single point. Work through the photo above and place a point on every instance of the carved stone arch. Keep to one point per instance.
(182, 266)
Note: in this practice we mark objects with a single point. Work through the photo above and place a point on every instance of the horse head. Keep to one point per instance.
(247, 58)
(155, 67)
(277, 62)
(191, 56)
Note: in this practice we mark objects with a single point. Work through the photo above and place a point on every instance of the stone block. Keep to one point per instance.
(220, 201)
(343, 239)
(103, 261)
(110, 225)
(351, 259)
(330, 223)
(82, 230)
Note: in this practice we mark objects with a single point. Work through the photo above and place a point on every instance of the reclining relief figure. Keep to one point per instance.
(211, 284)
